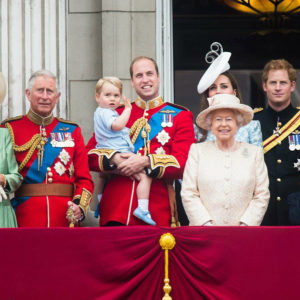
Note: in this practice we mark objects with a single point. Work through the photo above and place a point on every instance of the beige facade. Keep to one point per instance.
(80, 41)
(103, 37)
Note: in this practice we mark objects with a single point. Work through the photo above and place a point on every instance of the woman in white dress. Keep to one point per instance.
(225, 181)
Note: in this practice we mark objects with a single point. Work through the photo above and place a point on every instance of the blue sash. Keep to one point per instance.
(50, 154)
(155, 123)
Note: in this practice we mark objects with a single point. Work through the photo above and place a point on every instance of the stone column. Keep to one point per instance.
(33, 36)
(128, 30)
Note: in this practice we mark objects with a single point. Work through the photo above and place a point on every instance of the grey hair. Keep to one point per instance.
(238, 116)
(41, 73)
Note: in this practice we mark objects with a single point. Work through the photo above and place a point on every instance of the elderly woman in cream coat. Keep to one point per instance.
(225, 182)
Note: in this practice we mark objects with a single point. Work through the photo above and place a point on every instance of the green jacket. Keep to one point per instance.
(8, 163)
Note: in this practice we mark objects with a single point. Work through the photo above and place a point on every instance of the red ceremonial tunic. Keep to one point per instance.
(65, 162)
(172, 135)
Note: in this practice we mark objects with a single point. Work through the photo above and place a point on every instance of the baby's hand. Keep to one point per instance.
(127, 102)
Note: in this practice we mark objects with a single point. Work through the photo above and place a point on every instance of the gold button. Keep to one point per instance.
(50, 174)
(279, 161)
(278, 179)
(50, 180)
(279, 143)
(278, 199)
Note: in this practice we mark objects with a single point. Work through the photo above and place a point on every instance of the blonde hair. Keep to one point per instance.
(110, 79)
(278, 64)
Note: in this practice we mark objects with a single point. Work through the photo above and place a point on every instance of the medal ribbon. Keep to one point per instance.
(50, 154)
(156, 127)
(289, 127)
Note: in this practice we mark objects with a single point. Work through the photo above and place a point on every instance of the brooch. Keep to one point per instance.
(163, 137)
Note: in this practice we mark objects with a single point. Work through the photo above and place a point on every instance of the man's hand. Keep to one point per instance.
(118, 158)
(132, 164)
(76, 216)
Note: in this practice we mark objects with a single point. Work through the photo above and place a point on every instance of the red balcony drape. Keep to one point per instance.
(243, 263)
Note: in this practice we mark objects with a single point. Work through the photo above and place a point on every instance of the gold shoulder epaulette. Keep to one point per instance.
(257, 109)
(66, 121)
(12, 119)
(178, 106)
(298, 107)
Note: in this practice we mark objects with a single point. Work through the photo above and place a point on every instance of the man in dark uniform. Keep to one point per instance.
(280, 124)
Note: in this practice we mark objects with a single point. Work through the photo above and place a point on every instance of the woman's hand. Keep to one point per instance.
(2, 180)
(2, 194)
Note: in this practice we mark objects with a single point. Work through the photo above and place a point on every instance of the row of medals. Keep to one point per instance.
(294, 142)
(294, 138)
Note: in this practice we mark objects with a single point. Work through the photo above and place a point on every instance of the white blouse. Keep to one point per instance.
(226, 188)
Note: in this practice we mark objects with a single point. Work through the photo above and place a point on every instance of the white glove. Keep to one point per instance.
(2, 194)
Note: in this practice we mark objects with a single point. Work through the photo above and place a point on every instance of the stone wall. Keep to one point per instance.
(103, 37)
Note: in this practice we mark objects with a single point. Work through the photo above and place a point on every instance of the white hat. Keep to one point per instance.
(2, 88)
(224, 101)
(219, 64)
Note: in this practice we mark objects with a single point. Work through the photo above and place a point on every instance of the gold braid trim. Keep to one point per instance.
(31, 145)
(162, 161)
(139, 125)
(85, 200)
(108, 153)
(66, 121)
(136, 128)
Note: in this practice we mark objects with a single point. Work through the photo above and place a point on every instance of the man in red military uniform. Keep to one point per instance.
(162, 134)
(52, 160)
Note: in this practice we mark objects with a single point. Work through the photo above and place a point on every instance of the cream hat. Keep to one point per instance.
(219, 64)
(2, 88)
(224, 101)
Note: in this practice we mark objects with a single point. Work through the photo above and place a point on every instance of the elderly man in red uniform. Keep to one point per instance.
(162, 134)
(52, 159)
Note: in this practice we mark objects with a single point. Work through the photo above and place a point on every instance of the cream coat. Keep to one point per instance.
(226, 188)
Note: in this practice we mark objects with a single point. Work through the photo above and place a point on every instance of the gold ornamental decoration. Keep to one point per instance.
(162, 161)
(31, 145)
(142, 126)
(108, 153)
(167, 242)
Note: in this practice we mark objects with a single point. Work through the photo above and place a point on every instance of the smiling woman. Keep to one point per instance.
(216, 190)
(224, 126)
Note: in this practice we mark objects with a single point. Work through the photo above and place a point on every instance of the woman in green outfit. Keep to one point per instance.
(10, 179)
